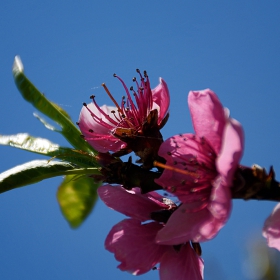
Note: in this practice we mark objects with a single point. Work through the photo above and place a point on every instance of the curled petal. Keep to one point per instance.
(231, 150)
(181, 265)
(97, 129)
(198, 221)
(131, 203)
(161, 99)
(271, 230)
(133, 245)
(208, 117)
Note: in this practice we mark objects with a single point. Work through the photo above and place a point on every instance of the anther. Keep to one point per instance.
(90, 130)
(134, 79)
(92, 97)
(77, 123)
(115, 75)
(137, 70)
(145, 74)
(85, 104)
(131, 88)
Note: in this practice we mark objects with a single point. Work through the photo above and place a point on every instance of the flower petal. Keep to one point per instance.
(198, 221)
(101, 137)
(271, 230)
(182, 265)
(208, 116)
(161, 99)
(131, 203)
(133, 245)
(231, 150)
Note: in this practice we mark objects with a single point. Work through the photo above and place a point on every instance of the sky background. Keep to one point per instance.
(69, 48)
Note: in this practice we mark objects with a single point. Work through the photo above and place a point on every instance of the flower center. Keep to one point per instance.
(189, 169)
(130, 114)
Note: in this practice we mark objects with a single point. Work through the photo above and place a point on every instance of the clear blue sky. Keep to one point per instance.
(69, 48)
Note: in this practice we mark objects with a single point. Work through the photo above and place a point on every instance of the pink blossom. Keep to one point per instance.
(103, 126)
(271, 230)
(203, 167)
(133, 240)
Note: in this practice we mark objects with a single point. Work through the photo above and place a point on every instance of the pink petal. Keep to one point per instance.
(231, 150)
(198, 221)
(161, 99)
(101, 138)
(208, 116)
(133, 245)
(131, 203)
(271, 230)
(182, 265)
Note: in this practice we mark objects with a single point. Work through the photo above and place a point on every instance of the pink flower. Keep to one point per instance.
(202, 170)
(133, 240)
(271, 230)
(103, 126)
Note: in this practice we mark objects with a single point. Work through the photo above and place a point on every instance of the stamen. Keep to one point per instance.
(130, 103)
(185, 172)
(112, 98)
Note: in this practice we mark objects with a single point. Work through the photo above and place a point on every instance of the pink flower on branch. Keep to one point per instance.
(115, 128)
(200, 171)
(133, 240)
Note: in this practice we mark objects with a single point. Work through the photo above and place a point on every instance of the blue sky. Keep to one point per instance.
(69, 48)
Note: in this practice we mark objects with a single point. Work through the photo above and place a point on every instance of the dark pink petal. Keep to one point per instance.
(198, 221)
(182, 265)
(208, 117)
(231, 150)
(131, 203)
(271, 230)
(133, 245)
(98, 130)
(161, 99)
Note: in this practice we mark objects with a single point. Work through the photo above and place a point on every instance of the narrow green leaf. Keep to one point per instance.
(50, 109)
(77, 196)
(36, 171)
(45, 147)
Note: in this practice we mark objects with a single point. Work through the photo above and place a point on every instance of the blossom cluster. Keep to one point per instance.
(197, 170)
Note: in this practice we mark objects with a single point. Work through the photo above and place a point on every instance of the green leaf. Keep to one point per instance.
(36, 171)
(45, 147)
(50, 109)
(77, 196)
